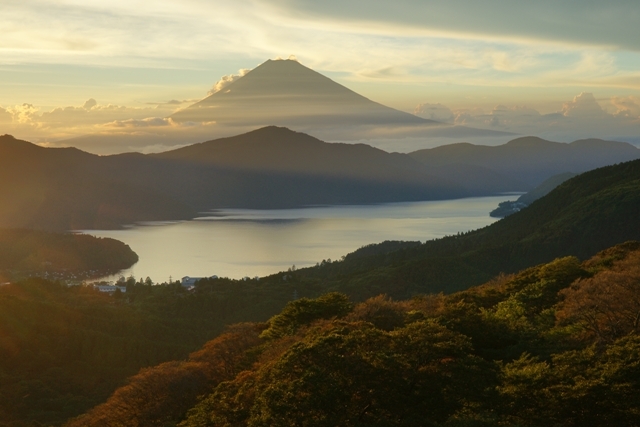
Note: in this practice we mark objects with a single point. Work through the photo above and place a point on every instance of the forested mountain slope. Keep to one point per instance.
(555, 344)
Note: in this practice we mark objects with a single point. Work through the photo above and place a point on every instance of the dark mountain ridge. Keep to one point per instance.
(65, 188)
(275, 167)
(280, 150)
(270, 167)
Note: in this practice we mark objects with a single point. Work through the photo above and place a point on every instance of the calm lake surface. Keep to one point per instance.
(238, 242)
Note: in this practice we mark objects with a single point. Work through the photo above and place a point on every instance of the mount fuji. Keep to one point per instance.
(286, 93)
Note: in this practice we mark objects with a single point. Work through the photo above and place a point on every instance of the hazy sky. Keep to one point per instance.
(561, 69)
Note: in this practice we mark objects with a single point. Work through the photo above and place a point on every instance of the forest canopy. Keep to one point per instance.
(528, 349)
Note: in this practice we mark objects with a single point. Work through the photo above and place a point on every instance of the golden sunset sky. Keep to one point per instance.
(561, 70)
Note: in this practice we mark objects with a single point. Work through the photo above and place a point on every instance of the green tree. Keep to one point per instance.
(304, 311)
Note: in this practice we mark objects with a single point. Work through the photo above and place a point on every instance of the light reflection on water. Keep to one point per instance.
(239, 242)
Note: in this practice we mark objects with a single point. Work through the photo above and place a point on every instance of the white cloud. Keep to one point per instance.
(139, 123)
(467, 116)
(23, 114)
(290, 58)
(65, 116)
(583, 106)
(174, 102)
(515, 111)
(502, 117)
(582, 117)
(92, 113)
(29, 122)
(227, 80)
(626, 106)
(510, 60)
(436, 112)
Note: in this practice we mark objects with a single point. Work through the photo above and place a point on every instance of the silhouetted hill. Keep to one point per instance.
(545, 188)
(531, 160)
(478, 179)
(277, 149)
(27, 253)
(65, 188)
(509, 207)
(282, 151)
(65, 348)
(275, 167)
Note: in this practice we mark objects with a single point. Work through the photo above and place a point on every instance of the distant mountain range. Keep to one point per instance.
(530, 160)
(267, 168)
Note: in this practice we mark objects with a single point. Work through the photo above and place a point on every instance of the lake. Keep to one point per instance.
(238, 242)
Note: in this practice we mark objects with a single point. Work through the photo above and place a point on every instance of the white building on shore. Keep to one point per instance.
(188, 281)
(110, 288)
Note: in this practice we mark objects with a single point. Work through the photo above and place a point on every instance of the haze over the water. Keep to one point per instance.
(559, 70)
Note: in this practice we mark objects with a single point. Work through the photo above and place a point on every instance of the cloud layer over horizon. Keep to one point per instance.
(150, 129)
(581, 117)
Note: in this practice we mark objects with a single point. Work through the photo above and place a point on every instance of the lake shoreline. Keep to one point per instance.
(240, 243)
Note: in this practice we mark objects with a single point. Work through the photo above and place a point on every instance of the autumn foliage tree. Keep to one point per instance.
(607, 305)
(355, 374)
(161, 395)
